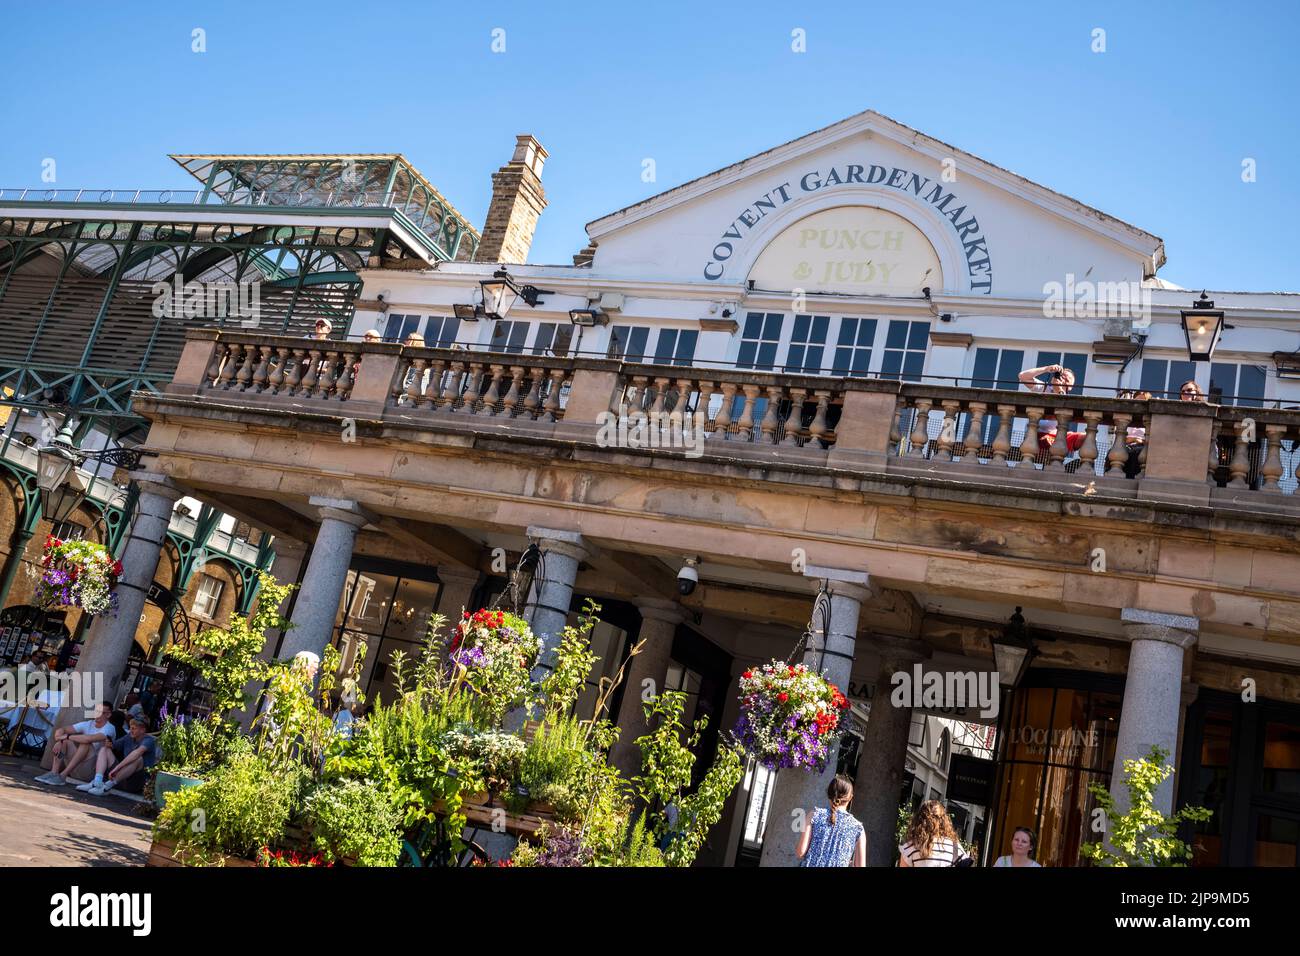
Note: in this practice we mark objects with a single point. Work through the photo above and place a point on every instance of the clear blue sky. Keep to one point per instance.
(1152, 131)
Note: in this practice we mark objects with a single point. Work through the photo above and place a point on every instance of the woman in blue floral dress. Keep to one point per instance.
(833, 836)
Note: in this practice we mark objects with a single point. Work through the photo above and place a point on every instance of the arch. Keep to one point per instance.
(849, 250)
(937, 230)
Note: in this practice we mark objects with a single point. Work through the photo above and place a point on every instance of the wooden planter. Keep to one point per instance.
(479, 810)
(163, 853)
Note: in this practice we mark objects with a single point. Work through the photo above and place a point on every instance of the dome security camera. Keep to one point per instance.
(688, 577)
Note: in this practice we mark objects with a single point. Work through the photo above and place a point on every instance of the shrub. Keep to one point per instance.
(355, 819)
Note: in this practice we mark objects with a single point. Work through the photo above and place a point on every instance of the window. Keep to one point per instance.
(1161, 377)
(997, 368)
(758, 342)
(398, 327)
(628, 342)
(68, 531)
(676, 346)
(208, 596)
(553, 338)
(905, 344)
(807, 344)
(442, 331)
(509, 337)
(853, 348)
(1237, 384)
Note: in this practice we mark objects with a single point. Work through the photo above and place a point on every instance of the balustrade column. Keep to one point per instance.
(796, 793)
(1088, 450)
(1002, 441)
(1117, 456)
(1271, 471)
(1029, 446)
(947, 433)
(920, 428)
(1239, 467)
(972, 443)
(1061, 445)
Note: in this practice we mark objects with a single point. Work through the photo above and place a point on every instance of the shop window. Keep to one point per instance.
(1276, 840)
(807, 344)
(853, 347)
(509, 337)
(207, 597)
(1161, 377)
(905, 345)
(1281, 770)
(1232, 384)
(759, 339)
(628, 342)
(676, 347)
(553, 338)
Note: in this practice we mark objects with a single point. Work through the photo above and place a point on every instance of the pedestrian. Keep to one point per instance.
(1135, 437)
(1059, 382)
(832, 836)
(1023, 844)
(931, 839)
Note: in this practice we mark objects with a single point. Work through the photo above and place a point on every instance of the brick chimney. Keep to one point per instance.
(517, 200)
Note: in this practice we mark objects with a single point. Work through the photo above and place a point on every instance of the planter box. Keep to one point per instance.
(480, 811)
(163, 853)
(165, 783)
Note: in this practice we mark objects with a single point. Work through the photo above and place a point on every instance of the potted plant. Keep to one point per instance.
(493, 653)
(79, 574)
(789, 716)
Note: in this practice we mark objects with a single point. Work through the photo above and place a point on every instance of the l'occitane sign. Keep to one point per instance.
(855, 250)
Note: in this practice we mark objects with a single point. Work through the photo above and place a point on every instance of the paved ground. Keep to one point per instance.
(58, 826)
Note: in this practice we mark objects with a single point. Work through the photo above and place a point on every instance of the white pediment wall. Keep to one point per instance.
(721, 225)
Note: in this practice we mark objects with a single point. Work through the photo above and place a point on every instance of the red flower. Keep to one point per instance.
(791, 669)
(783, 697)
(747, 675)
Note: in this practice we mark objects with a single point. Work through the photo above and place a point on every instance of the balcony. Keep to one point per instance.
(993, 442)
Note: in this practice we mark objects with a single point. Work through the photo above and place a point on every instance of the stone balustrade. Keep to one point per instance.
(475, 383)
(1187, 453)
(749, 407)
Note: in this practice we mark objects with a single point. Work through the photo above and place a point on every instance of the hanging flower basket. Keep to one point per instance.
(78, 574)
(789, 716)
(494, 653)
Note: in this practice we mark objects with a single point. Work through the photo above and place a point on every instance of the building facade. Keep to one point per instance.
(835, 332)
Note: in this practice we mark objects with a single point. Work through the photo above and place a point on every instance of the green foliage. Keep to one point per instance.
(292, 730)
(574, 660)
(1143, 836)
(228, 659)
(355, 819)
(667, 766)
(494, 756)
(559, 767)
(243, 806)
(635, 845)
(189, 747)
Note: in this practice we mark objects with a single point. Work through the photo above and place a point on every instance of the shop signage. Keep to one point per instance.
(970, 779)
(919, 188)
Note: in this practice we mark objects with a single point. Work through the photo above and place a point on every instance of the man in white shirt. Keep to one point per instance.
(82, 739)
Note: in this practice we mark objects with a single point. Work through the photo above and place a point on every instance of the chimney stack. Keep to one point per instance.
(517, 200)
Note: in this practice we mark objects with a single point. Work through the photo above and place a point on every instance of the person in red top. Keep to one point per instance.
(1059, 382)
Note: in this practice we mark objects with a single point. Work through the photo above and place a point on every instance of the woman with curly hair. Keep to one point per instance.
(931, 840)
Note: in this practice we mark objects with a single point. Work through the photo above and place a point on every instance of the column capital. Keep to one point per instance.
(1143, 625)
(658, 609)
(567, 543)
(342, 509)
(288, 547)
(155, 483)
(855, 585)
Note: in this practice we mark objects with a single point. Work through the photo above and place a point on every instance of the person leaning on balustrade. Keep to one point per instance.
(1135, 437)
(1059, 382)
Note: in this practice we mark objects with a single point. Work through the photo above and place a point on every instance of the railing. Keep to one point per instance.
(305, 369)
(755, 407)
(1190, 453)
(180, 197)
(1022, 430)
(448, 382)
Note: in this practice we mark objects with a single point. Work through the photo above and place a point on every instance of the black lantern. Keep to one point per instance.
(500, 293)
(1011, 651)
(61, 485)
(1202, 324)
